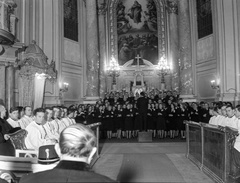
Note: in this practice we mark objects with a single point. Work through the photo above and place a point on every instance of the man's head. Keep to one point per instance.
(223, 110)
(75, 142)
(71, 112)
(230, 111)
(202, 104)
(56, 112)
(49, 113)
(20, 112)
(39, 116)
(237, 111)
(2, 111)
(28, 111)
(142, 94)
(13, 113)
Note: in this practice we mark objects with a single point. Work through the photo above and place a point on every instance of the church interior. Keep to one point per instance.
(72, 43)
(77, 52)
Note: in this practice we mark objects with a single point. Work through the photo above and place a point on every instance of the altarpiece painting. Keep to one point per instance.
(137, 27)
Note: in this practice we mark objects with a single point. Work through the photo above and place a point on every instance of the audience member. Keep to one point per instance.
(37, 135)
(13, 117)
(50, 127)
(26, 118)
(76, 147)
(6, 147)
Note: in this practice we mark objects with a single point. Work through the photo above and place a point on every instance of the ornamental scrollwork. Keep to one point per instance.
(231, 136)
(102, 9)
(172, 7)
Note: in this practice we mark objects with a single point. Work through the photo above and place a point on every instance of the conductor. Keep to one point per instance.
(142, 105)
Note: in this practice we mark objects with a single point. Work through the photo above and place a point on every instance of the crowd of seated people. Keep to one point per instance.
(43, 126)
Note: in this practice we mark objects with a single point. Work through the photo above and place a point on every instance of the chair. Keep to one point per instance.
(18, 139)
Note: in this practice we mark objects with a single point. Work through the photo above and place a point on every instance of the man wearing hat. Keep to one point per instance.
(76, 147)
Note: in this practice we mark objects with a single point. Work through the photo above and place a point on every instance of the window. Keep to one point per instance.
(204, 18)
(71, 19)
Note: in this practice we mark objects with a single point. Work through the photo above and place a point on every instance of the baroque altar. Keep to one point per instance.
(138, 75)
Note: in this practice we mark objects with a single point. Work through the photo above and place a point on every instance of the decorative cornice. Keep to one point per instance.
(172, 7)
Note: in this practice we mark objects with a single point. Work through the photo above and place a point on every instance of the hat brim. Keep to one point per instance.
(48, 160)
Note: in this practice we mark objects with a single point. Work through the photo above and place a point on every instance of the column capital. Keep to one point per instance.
(172, 6)
(102, 8)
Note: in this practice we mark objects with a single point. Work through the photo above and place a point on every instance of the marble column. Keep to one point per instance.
(173, 31)
(10, 81)
(92, 50)
(102, 8)
(185, 53)
(2, 83)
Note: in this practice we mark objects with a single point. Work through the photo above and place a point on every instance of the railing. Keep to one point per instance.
(210, 148)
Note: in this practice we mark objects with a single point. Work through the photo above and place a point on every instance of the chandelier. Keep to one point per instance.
(163, 68)
(113, 70)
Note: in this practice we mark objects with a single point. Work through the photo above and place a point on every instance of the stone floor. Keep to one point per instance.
(148, 162)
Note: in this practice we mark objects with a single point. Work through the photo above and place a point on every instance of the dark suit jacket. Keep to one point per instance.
(66, 171)
(142, 104)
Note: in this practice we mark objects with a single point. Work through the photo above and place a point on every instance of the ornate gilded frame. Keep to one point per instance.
(112, 37)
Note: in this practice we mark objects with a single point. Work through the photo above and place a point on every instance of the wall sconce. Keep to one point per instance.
(64, 87)
(215, 85)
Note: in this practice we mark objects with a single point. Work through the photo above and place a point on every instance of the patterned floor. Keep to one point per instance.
(148, 162)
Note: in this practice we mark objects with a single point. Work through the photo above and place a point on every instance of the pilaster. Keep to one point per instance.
(173, 54)
(92, 50)
(102, 8)
(185, 52)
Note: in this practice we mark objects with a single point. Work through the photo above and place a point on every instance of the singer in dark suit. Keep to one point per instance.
(142, 105)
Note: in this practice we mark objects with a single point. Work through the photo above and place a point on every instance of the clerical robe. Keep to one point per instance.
(237, 141)
(25, 121)
(68, 121)
(37, 136)
(13, 123)
(232, 122)
(221, 120)
(213, 121)
(51, 130)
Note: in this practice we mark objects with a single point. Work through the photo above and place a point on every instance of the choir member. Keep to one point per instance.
(194, 113)
(69, 119)
(51, 131)
(37, 135)
(137, 125)
(81, 116)
(27, 118)
(128, 122)
(161, 122)
(13, 117)
(119, 120)
(90, 117)
(171, 117)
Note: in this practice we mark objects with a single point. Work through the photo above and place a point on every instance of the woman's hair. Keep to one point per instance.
(77, 141)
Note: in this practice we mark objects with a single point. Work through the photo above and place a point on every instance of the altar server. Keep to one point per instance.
(37, 135)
